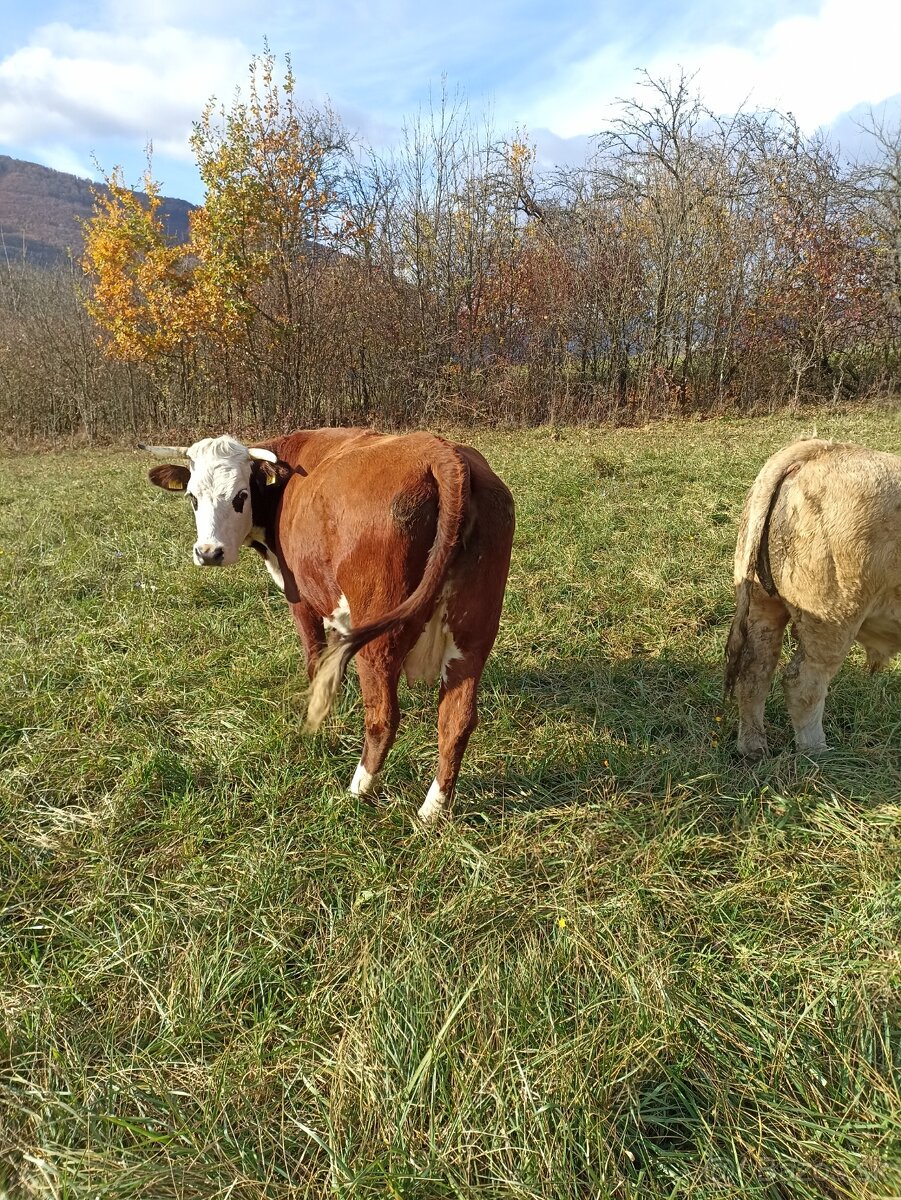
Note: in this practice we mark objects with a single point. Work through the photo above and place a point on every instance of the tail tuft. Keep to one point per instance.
(326, 683)
(738, 633)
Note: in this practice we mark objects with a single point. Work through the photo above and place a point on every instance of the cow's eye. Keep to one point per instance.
(239, 501)
(193, 500)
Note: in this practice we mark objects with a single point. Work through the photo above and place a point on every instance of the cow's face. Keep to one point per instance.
(218, 485)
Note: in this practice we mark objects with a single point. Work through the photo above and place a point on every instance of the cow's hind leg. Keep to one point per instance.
(378, 684)
(821, 651)
(474, 603)
(767, 618)
(457, 718)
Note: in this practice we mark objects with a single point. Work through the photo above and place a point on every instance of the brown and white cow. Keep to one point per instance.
(398, 546)
(819, 545)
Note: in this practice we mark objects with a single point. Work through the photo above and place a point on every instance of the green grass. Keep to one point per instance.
(631, 967)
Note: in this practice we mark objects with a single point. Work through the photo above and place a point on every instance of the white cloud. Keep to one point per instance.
(152, 14)
(143, 73)
(582, 101)
(64, 158)
(71, 86)
(816, 67)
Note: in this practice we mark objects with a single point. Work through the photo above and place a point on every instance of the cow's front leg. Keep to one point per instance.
(312, 635)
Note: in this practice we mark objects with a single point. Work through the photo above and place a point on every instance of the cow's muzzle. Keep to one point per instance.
(208, 554)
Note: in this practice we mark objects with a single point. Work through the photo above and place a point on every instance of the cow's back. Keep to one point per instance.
(361, 517)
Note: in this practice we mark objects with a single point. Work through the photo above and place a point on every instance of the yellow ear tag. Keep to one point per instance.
(174, 486)
(271, 479)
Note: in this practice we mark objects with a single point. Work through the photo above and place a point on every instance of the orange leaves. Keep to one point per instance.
(141, 284)
(271, 169)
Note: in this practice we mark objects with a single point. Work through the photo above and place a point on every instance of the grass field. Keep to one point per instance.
(630, 967)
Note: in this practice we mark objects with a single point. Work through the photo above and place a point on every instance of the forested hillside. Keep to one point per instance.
(41, 212)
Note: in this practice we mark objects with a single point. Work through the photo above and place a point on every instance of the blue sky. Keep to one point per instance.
(86, 79)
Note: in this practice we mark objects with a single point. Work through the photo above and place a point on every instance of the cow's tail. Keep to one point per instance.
(752, 549)
(451, 473)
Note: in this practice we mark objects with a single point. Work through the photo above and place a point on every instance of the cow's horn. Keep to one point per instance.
(262, 455)
(165, 451)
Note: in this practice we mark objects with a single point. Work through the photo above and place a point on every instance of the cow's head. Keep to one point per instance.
(220, 481)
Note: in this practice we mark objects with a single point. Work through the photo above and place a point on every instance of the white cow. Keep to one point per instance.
(819, 545)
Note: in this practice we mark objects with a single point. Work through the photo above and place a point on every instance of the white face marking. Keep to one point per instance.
(362, 782)
(340, 619)
(434, 804)
(219, 487)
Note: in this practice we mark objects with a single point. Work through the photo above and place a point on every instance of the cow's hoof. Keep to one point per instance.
(362, 784)
(753, 751)
(430, 817)
(433, 808)
(815, 751)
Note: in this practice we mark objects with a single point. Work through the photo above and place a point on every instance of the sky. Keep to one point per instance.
(88, 83)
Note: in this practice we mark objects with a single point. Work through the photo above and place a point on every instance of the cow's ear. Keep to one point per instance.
(270, 474)
(170, 478)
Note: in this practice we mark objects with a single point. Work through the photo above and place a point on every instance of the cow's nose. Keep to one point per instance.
(207, 554)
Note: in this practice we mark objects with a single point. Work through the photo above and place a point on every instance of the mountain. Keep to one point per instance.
(40, 210)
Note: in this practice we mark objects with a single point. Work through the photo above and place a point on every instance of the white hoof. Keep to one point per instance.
(362, 783)
(433, 807)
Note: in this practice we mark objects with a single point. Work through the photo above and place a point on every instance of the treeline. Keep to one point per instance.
(691, 265)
